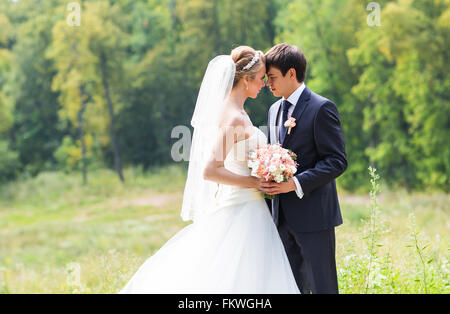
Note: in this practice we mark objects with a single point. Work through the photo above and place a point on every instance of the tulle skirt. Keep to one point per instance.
(235, 249)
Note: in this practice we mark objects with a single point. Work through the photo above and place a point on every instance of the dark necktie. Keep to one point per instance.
(285, 107)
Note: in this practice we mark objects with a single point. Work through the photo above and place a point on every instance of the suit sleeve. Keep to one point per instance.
(329, 141)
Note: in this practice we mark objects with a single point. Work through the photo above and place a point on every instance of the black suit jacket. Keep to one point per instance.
(318, 141)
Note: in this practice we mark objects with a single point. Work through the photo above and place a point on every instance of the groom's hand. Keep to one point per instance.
(273, 188)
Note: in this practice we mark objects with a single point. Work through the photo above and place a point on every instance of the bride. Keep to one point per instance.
(232, 246)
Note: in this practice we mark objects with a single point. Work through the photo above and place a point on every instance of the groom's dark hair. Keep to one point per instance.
(284, 57)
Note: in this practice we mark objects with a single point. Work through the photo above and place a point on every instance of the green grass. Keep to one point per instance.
(57, 236)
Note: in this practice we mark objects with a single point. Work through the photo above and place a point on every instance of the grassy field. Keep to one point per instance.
(57, 236)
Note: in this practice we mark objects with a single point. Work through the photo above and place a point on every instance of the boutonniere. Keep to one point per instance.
(290, 123)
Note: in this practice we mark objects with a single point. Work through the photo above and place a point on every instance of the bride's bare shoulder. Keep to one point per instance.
(233, 120)
(235, 123)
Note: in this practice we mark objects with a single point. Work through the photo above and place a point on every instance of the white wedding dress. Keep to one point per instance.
(235, 248)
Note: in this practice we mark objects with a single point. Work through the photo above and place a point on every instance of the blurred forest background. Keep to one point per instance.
(107, 93)
(96, 104)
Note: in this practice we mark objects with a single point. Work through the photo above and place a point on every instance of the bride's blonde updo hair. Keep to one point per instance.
(242, 56)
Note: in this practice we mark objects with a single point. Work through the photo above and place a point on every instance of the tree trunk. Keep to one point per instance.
(117, 163)
(83, 98)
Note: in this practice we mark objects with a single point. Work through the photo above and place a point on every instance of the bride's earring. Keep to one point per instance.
(246, 87)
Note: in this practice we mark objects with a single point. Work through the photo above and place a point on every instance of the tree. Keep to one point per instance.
(403, 78)
(36, 132)
(9, 162)
(90, 68)
(74, 80)
(109, 50)
(6, 59)
(155, 96)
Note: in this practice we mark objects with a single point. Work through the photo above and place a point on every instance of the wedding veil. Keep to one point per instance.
(199, 194)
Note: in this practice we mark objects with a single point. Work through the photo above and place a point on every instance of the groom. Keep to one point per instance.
(306, 208)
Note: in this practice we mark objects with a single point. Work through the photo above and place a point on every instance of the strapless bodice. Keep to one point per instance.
(236, 161)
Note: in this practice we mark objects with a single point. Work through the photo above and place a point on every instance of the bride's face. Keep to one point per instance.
(255, 85)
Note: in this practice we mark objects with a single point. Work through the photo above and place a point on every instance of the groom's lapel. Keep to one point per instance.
(300, 107)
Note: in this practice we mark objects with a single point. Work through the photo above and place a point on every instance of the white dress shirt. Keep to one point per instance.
(293, 99)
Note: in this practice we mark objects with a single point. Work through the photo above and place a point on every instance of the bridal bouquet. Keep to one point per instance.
(273, 163)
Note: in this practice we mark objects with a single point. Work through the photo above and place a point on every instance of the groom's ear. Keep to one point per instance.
(292, 74)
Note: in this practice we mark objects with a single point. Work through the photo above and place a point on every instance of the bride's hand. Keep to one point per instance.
(257, 183)
(273, 188)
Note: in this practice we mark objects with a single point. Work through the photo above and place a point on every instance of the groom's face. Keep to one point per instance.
(277, 82)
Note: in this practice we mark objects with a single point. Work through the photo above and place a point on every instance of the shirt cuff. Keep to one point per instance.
(299, 190)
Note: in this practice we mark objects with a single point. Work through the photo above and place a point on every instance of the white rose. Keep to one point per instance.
(278, 172)
(279, 178)
(254, 174)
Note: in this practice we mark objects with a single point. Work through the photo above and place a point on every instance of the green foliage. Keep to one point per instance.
(68, 155)
(391, 244)
(131, 72)
(404, 84)
(389, 83)
(35, 132)
(9, 163)
(6, 115)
